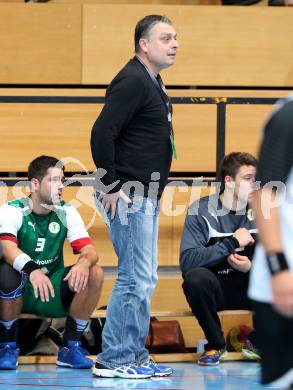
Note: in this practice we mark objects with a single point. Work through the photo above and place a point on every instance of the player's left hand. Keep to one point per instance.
(78, 276)
(240, 263)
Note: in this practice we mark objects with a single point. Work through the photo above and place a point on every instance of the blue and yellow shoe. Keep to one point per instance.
(212, 357)
(73, 356)
(8, 356)
(158, 369)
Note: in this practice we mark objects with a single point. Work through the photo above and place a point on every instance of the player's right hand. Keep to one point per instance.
(282, 286)
(244, 237)
(42, 285)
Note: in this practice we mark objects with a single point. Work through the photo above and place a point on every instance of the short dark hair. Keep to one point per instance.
(231, 164)
(39, 166)
(144, 26)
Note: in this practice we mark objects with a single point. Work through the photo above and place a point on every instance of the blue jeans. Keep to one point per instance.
(134, 234)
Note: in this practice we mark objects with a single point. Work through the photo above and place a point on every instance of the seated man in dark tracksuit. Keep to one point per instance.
(216, 250)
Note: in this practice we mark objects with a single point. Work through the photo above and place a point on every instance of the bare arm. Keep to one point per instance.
(269, 230)
(10, 251)
(88, 254)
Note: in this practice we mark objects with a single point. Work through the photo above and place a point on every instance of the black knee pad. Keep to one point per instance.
(12, 283)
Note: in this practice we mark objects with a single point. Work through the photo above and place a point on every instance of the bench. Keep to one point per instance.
(229, 318)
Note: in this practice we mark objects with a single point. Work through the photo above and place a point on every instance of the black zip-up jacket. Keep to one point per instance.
(207, 236)
(131, 137)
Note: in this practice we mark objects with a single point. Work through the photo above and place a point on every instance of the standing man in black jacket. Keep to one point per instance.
(216, 251)
(133, 142)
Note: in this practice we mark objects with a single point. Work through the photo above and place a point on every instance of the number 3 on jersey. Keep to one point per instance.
(40, 244)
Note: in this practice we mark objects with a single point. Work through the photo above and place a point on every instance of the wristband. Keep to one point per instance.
(235, 242)
(20, 261)
(277, 262)
(232, 242)
(30, 267)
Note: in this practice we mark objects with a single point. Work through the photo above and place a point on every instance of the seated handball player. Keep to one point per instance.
(33, 278)
(217, 246)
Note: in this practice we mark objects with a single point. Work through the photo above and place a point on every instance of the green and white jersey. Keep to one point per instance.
(42, 236)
